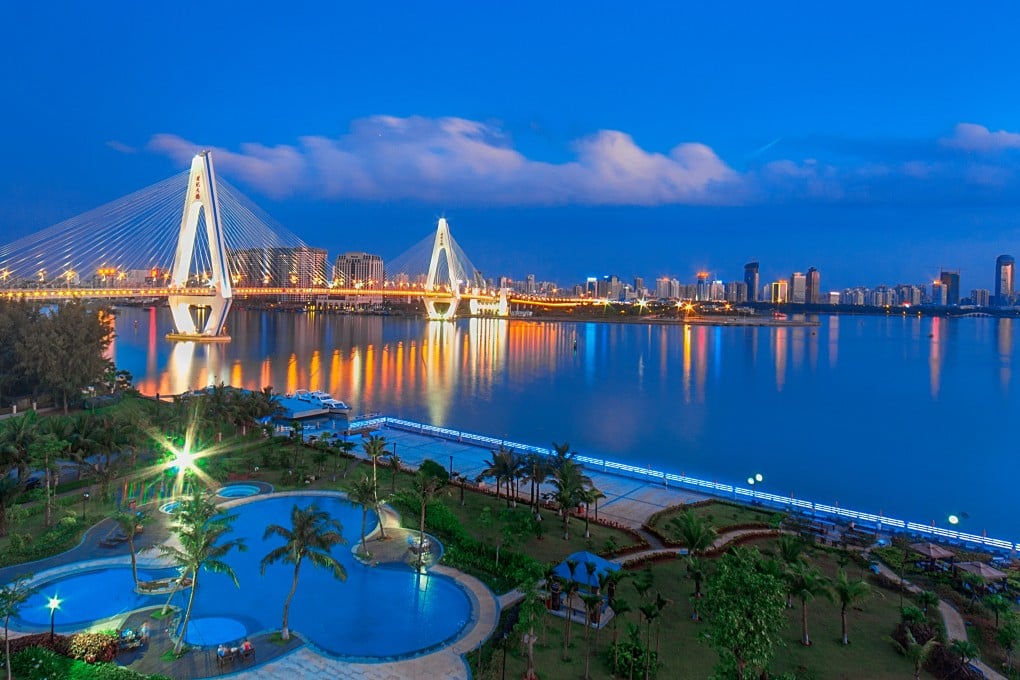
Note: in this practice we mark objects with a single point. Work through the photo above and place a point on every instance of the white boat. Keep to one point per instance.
(323, 400)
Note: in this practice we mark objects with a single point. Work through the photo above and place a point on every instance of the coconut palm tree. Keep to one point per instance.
(500, 468)
(200, 528)
(591, 610)
(312, 535)
(999, 605)
(693, 531)
(965, 649)
(426, 486)
(363, 494)
(375, 448)
(569, 482)
(561, 452)
(808, 583)
(927, 598)
(790, 553)
(16, 436)
(620, 607)
(12, 596)
(696, 569)
(128, 523)
(394, 462)
(588, 496)
(848, 593)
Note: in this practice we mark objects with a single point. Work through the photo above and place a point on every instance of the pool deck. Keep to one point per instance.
(628, 502)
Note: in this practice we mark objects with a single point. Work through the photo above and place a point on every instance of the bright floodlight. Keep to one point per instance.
(184, 459)
(750, 480)
(953, 519)
(54, 603)
(758, 477)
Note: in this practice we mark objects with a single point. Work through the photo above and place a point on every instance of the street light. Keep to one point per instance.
(84, 499)
(54, 605)
(751, 481)
(92, 398)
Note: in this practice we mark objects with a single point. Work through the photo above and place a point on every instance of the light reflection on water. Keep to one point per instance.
(902, 414)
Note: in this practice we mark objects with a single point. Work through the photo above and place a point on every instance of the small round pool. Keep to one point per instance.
(170, 508)
(238, 491)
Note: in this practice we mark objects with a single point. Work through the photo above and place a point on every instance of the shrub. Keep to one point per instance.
(93, 647)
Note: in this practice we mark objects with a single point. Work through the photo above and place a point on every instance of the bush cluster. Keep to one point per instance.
(37, 663)
(93, 647)
(58, 538)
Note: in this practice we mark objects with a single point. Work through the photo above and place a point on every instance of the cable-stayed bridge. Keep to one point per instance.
(199, 242)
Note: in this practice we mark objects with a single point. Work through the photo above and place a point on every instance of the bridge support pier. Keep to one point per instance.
(201, 196)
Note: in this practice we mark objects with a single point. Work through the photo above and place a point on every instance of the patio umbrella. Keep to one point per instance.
(983, 570)
(932, 551)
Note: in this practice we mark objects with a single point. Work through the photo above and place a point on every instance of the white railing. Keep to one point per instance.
(865, 519)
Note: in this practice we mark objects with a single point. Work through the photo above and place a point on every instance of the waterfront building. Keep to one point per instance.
(939, 294)
(813, 286)
(717, 291)
(736, 291)
(854, 296)
(883, 296)
(529, 286)
(798, 288)
(358, 270)
(639, 286)
(779, 291)
(833, 297)
(751, 280)
(663, 288)
(908, 295)
(301, 267)
(1005, 271)
(981, 297)
(951, 280)
(702, 293)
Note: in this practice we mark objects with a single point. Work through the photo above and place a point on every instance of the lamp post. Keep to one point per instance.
(54, 605)
(84, 499)
(92, 398)
(751, 481)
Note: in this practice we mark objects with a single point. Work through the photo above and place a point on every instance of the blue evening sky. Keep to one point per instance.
(875, 141)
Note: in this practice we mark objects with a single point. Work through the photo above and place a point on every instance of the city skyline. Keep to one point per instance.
(648, 141)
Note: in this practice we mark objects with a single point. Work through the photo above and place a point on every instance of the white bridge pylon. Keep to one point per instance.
(200, 196)
(443, 246)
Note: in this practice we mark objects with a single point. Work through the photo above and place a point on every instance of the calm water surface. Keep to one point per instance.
(911, 416)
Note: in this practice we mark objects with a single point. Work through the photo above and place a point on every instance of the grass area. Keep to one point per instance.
(685, 655)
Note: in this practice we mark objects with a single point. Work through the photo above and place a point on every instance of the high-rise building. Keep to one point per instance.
(751, 279)
(639, 285)
(529, 286)
(301, 267)
(736, 291)
(1005, 271)
(939, 294)
(798, 288)
(358, 270)
(702, 293)
(814, 287)
(951, 280)
(981, 297)
(779, 291)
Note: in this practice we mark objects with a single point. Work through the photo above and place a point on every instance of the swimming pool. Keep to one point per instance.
(87, 596)
(377, 613)
(239, 491)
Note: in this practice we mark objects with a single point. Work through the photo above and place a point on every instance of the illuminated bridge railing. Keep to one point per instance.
(726, 491)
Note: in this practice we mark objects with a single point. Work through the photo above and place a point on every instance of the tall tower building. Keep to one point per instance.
(951, 280)
(751, 279)
(1005, 271)
(702, 293)
(358, 270)
(798, 288)
(814, 283)
(779, 291)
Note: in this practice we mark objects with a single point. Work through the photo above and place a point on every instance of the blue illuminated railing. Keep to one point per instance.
(728, 491)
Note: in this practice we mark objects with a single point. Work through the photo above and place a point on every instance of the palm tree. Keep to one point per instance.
(363, 494)
(562, 453)
(848, 593)
(12, 596)
(313, 534)
(696, 568)
(589, 496)
(569, 481)
(693, 531)
(499, 467)
(915, 652)
(200, 527)
(791, 553)
(394, 462)
(375, 448)
(965, 649)
(649, 612)
(426, 487)
(43, 451)
(927, 598)
(620, 607)
(808, 582)
(537, 471)
(128, 522)
(591, 608)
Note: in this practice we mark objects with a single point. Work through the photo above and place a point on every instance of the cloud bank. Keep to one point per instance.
(459, 161)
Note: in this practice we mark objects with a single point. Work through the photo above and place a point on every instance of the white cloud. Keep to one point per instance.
(973, 137)
(465, 161)
(121, 147)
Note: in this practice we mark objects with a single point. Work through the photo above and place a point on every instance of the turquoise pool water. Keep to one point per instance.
(377, 613)
(238, 491)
